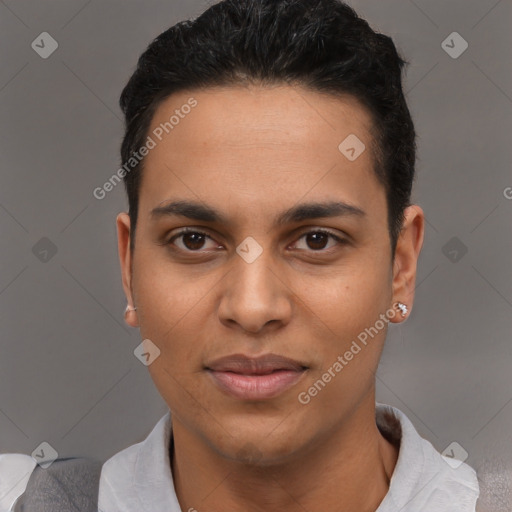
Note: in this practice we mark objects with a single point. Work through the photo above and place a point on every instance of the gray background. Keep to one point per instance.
(67, 369)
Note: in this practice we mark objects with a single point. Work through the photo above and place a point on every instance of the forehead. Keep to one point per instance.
(257, 142)
(279, 115)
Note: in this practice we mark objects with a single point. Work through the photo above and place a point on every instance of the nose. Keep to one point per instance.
(254, 296)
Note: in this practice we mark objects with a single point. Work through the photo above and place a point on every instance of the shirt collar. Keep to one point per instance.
(153, 480)
(139, 478)
(423, 479)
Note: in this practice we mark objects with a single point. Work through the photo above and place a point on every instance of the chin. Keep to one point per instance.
(258, 447)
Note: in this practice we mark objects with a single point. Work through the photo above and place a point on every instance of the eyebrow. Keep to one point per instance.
(309, 211)
(306, 211)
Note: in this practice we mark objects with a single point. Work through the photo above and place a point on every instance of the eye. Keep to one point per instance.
(192, 240)
(318, 240)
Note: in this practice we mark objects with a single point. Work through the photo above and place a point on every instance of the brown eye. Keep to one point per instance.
(193, 241)
(317, 240)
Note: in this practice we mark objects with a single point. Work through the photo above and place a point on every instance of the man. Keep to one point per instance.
(270, 240)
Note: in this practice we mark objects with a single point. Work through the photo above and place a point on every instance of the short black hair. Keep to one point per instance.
(321, 45)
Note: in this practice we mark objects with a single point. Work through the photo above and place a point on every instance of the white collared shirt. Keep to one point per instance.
(139, 479)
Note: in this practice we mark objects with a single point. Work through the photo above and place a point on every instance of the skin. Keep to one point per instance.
(251, 153)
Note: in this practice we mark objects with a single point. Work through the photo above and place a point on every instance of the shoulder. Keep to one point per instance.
(15, 472)
(446, 484)
(69, 484)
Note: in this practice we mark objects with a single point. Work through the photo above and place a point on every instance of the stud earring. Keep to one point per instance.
(402, 307)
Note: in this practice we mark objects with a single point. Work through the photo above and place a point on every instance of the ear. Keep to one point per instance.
(408, 247)
(125, 260)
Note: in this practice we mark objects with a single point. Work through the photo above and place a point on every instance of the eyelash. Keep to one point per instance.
(186, 231)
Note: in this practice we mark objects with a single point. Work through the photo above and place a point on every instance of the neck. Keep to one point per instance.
(352, 465)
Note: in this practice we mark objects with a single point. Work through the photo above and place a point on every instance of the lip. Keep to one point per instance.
(259, 378)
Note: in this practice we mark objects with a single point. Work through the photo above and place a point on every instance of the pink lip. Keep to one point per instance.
(255, 378)
(256, 387)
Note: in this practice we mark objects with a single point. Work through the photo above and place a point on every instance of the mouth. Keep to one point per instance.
(259, 378)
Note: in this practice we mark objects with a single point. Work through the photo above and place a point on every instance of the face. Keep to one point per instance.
(258, 235)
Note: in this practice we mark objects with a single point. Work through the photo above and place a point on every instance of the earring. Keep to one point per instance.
(129, 308)
(402, 307)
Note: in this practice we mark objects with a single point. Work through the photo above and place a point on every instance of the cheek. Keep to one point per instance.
(175, 315)
(350, 298)
(175, 308)
(343, 313)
